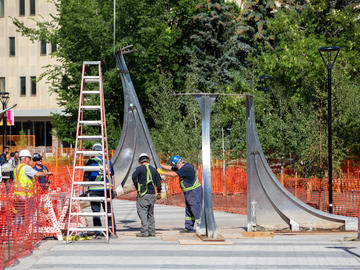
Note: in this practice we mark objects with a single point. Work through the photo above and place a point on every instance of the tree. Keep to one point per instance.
(299, 91)
(218, 44)
(83, 31)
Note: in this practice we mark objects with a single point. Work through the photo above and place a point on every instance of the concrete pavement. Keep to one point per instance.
(283, 251)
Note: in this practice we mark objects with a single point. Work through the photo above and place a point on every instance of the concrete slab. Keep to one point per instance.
(295, 251)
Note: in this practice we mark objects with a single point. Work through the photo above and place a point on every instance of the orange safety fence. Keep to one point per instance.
(229, 191)
(26, 220)
(23, 223)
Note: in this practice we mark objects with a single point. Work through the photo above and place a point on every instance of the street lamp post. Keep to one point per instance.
(4, 99)
(327, 55)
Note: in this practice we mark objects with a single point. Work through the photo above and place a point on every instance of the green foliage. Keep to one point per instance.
(218, 44)
(299, 90)
(255, 16)
(177, 123)
(191, 46)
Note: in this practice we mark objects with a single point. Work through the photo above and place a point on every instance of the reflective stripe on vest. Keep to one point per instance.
(23, 186)
(195, 185)
(100, 176)
(148, 181)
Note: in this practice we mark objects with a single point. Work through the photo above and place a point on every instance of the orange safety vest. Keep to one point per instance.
(23, 185)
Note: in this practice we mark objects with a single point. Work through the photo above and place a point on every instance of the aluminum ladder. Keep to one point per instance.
(91, 105)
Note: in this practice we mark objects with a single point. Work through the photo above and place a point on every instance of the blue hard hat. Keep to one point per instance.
(174, 160)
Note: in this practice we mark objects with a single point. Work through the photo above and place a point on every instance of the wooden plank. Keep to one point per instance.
(170, 238)
(257, 234)
(232, 235)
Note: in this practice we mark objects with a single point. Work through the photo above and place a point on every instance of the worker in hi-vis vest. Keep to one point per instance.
(145, 178)
(25, 187)
(98, 190)
(191, 187)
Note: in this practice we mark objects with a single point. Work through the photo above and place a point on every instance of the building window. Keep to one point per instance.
(42, 47)
(12, 46)
(2, 84)
(22, 7)
(53, 47)
(22, 86)
(32, 7)
(1, 8)
(33, 85)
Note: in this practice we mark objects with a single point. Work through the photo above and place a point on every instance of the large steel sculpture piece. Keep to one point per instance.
(135, 136)
(270, 206)
(207, 226)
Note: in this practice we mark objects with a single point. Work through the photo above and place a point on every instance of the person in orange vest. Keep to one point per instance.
(25, 188)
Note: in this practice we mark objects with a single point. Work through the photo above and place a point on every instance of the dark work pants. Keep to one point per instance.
(96, 207)
(193, 203)
(145, 210)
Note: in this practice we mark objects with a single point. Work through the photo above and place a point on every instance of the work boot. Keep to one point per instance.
(152, 234)
(98, 236)
(142, 235)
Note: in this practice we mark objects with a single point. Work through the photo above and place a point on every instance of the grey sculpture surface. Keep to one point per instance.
(135, 136)
(270, 206)
(207, 226)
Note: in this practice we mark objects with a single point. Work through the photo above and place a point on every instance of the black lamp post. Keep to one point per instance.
(327, 55)
(4, 99)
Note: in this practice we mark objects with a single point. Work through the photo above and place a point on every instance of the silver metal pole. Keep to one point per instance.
(114, 23)
(207, 226)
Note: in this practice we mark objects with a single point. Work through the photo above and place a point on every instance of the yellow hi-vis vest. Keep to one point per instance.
(23, 185)
(148, 181)
(195, 185)
(100, 176)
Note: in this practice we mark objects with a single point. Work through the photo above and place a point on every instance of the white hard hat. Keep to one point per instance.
(143, 157)
(97, 146)
(25, 153)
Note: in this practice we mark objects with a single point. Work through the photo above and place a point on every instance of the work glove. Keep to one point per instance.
(158, 196)
(160, 171)
(119, 190)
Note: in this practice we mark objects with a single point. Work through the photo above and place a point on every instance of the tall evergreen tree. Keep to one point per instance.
(218, 44)
(256, 15)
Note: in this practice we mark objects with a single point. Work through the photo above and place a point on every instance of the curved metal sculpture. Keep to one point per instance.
(135, 136)
(269, 205)
(207, 226)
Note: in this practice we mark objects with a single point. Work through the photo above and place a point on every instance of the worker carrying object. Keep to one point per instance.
(98, 190)
(191, 187)
(43, 181)
(25, 187)
(145, 178)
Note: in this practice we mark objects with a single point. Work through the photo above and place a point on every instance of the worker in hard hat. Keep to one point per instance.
(191, 187)
(98, 190)
(43, 181)
(145, 178)
(25, 187)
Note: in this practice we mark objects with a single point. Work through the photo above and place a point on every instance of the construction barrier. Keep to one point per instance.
(26, 220)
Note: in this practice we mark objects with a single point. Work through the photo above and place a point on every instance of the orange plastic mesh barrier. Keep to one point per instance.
(24, 221)
(229, 192)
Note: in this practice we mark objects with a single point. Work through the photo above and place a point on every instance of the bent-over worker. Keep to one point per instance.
(191, 187)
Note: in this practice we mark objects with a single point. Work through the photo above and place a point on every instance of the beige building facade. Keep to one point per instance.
(22, 63)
